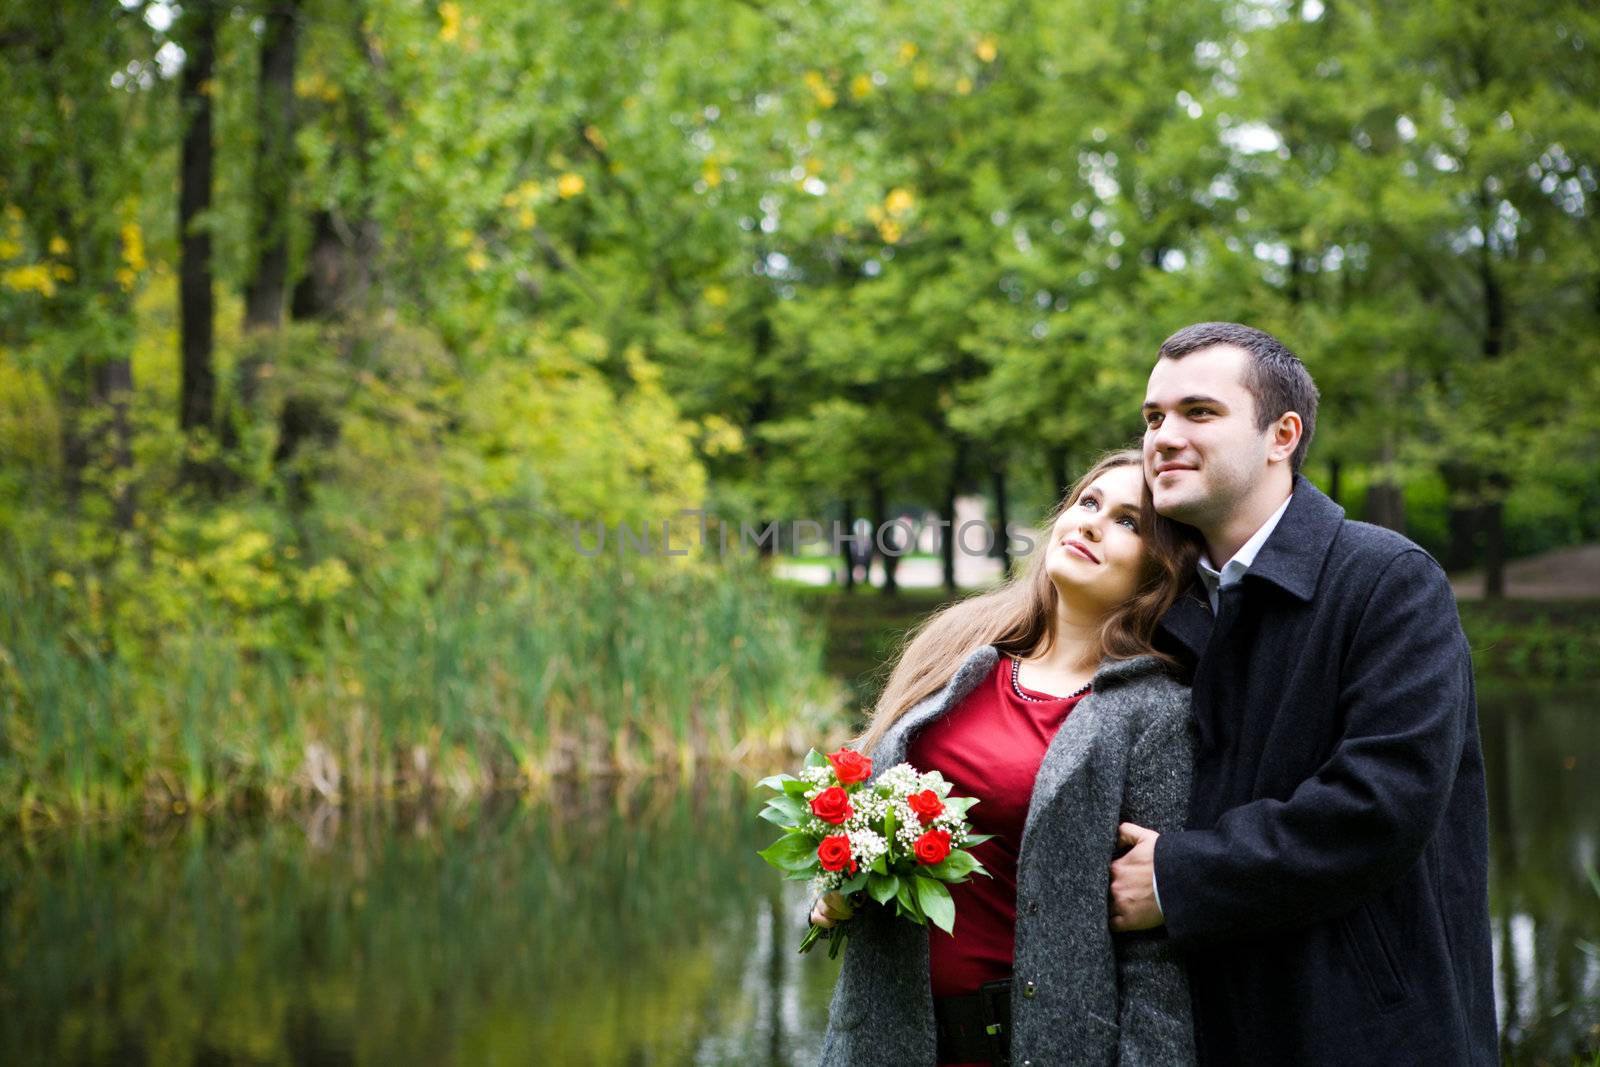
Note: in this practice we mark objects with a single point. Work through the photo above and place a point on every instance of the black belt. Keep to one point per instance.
(975, 1028)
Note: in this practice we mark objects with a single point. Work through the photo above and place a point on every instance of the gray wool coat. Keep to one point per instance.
(1081, 997)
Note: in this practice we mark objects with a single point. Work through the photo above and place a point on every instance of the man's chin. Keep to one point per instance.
(1179, 506)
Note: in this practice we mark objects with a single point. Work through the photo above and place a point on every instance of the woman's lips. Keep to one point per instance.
(1081, 549)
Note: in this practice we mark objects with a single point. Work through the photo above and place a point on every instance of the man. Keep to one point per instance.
(1331, 886)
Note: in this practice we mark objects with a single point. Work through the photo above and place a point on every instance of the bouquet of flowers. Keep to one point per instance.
(902, 839)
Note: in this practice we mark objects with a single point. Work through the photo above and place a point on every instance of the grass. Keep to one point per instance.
(490, 683)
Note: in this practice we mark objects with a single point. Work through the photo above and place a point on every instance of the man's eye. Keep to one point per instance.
(1152, 419)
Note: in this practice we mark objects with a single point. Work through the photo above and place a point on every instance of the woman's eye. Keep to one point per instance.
(1129, 523)
(1088, 502)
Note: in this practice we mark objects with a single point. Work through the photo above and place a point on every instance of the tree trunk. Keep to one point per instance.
(1492, 521)
(1386, 501)
(947, 537)
(1335, 479)
(274, 167)
(847, 544)
(197, 400)
(1059, 475)
(1002, 545)
(113, 391)
(880, 517)
(97, 438)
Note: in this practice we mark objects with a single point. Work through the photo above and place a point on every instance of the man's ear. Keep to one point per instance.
(1285, 437)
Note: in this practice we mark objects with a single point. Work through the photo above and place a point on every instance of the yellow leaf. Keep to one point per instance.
(449, 21)
(717, 296)
(963, 85)
(477, 261)
(526, 218)
(711, 174)
(593, 135)
(986, 49)
(860, 86)
(899, 202)
(889, 230)
(59, 246)
(908, 51)
(570, 185)
(820, 90)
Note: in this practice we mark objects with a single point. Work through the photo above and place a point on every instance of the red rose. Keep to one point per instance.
(926, 804)
(832, 805)
(834, 853)
(932, 847)
(850, 766)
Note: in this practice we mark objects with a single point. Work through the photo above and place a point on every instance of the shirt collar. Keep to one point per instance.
(1233, 570)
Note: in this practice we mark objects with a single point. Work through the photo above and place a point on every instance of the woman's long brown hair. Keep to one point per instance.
(1019, 617)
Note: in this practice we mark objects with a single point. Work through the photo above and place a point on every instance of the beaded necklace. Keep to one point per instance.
(1016, 686)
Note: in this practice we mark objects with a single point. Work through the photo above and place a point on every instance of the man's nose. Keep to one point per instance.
(1165, 438)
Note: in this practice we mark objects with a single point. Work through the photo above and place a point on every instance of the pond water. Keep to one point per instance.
(604, 926)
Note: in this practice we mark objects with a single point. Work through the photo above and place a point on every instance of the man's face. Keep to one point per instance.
(1203, 455)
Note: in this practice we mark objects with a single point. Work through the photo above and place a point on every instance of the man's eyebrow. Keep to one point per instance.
(1186, 401)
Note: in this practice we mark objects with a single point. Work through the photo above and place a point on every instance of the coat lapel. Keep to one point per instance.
(1070, 749)
(974, 669)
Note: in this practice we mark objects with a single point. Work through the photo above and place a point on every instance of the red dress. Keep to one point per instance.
(988, 746)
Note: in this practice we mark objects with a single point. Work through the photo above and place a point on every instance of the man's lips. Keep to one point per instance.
(1081, 549)
(1170, 468)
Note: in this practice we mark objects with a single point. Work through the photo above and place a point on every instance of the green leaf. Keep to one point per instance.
(959, 805)
(792, 852)
(859, 881)
(777, 817)
(776, 781)
(936, 903)
(816, 759)
(975, 839)
(959, 864)
(883, 887)
(906, 897)
(880, 865)
(888, 827)
(795, 787)
(796, 809)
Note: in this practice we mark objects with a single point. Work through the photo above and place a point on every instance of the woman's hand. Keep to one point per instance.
(829, 909)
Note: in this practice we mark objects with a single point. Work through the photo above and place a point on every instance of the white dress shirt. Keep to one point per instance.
(1233, 570)
(1231, 574)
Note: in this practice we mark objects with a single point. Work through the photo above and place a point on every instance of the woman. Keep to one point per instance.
(1045, 700)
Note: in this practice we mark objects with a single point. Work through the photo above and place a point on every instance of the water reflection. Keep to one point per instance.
(597, 928)
(1544, 826)
(603, 927)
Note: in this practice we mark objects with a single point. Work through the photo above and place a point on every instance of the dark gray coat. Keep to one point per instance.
(1079, 996)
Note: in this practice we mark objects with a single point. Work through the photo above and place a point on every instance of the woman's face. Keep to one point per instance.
(1096, 550)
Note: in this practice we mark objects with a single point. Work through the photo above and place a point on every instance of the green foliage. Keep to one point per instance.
(611, 261)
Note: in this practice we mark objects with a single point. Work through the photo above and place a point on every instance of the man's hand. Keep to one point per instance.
(1133, 893)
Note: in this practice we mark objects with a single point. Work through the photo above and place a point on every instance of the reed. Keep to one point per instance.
(494, 680)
